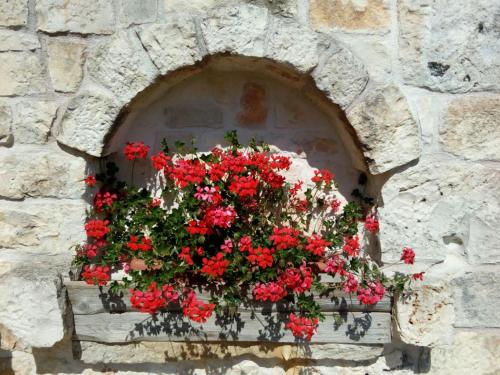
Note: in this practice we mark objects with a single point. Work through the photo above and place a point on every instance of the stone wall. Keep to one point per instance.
(411, 89)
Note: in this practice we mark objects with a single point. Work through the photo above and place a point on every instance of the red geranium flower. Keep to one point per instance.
(136, 150)
(418, 276)
(351, 246)
(271, 291)
(196, 310)
(322, 175)
(408, 255)
(284, 238)
(215, 266)
(96, 275)
(244, 186)
(90, 180)
(261, 256)
(144, 244)
(371, 224)
(97, 228)
(317, 245)
(302, 326)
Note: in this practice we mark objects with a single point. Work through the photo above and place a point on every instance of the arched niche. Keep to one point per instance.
(256, 97)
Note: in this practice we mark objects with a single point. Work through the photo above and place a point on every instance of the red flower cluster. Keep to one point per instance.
(221, 217)
(298, 280)
(153, 299)
(262, 256)
(271, 291)
(244, 186)
(284, 237)
(335, 205)
(317, 245)
(418, 276)
(162, 162)
(97, 228)
(185, 255)
(351, 246)
(372, 294)
(144, 244)
(104, 200)
(335, 265)
(245, 244)
(371, 224)
(302, 327)
(186, 172)
(215, 266)
(90, 180)
(197, 311)
(197, 227)
(96, 275)
(322, 175)
(136, 150)
(350, 284)
(408, 255)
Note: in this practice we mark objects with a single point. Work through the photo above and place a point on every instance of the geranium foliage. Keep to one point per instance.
(228, 221)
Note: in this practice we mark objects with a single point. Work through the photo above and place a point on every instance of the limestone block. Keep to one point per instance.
(33, 172)
(426, 317)
(441, 206)
(33, 121)
(75, 16)
(350, 15)
(5, 125)
(171, 45)
(472, 352)
(121, 64)
(296, 45)
(29, 296)
(14, 40)
(386, 128)
(21, 73)
(284, 8)
(240, 30)
(342, 77)
(477, 299)
(46, 225)
(87, 120)
(133, 12)
(13, 12)
(449, 45)
(471, 128)
(65, 60)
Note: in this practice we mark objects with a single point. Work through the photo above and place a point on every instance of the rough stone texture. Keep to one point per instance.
(440, 207)
(342, 77)
(240, 30)
(477, 299)
(472, 352)
(33, 292)
(21, 73)
(171, 45)
(65, 60)
(12, 40)
(75, 16)
(42, 225)
(471, 128)
(386, 128)
(14, 12)
(33, 121)
(5, 125)
(294, 44)
(86, 122)
(57, 174)
(350, 15)
(450, 46)
(133, 12)
(426, 317)
(122, 65)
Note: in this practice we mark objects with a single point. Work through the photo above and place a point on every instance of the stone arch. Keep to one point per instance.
(131, 61)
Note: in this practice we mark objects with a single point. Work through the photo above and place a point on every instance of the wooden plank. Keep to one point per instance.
(86, 299)
(349, 327)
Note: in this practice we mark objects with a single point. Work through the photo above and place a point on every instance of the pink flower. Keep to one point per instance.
(372, 224)
(227, 246)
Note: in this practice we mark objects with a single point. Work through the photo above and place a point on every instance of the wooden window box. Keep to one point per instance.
(102, 317)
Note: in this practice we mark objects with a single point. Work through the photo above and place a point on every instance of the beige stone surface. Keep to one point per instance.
(75, 16)
(172, 44)
(21, 73)
(5, 125)
(426, 316)
(350, 15)
(13, 12)
(65, 61)
(89, 117)
(13, 40)
(33, 121)
(31, 171)
(471, 128)
(121, 64)
(386, 128)
(450, 46)
(134, 12)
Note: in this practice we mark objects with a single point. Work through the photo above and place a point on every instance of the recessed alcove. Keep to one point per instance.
(256, 97)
